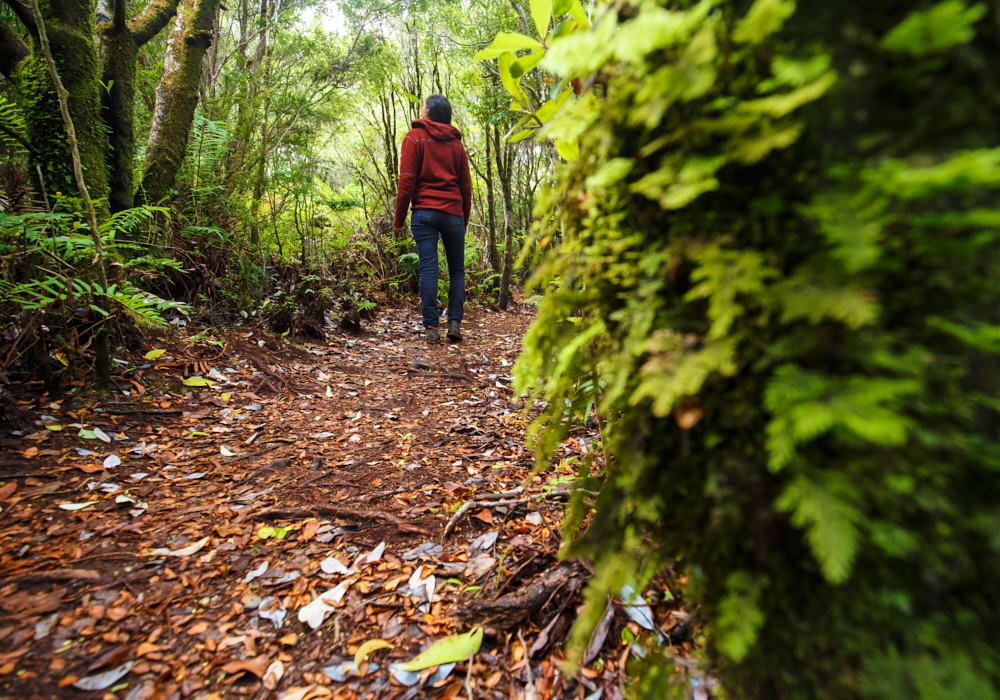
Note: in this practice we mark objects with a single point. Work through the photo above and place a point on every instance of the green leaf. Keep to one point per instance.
(154, 354)
(947, 24)
(739, 617)
(457, 647)
(764, 18)
(526, 63)
(513, 85)
(506, 42)
(541, 12)
(561, 7)
(198, 381)
(826, 512)
(578, 13)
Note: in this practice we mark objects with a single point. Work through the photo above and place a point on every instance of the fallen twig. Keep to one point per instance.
(335, 512)
(485, 502)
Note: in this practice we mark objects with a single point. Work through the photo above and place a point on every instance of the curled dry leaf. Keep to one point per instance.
(183, 552)
(273, 674)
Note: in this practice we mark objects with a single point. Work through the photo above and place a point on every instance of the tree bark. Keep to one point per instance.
(121, 40)
(491, 207)
(12, 50)
(177, 96)
(70, 30)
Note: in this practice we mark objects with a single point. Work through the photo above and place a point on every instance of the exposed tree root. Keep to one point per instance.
(509, 611)
(54, 576)
(333, 511)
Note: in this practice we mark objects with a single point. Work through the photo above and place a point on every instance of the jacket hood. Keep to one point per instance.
(437, 130)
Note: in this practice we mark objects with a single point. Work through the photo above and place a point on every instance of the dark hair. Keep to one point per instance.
(439, 109)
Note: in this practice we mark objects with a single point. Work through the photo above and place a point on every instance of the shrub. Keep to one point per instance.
(775, 270)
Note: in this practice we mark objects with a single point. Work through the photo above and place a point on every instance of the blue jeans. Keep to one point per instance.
(426, 225)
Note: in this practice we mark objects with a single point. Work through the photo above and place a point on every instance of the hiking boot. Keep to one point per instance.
(432, 335)
(454, 334)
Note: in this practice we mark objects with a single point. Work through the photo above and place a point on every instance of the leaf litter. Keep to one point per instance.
(348, 452)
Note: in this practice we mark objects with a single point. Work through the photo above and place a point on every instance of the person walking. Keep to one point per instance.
(434, 182)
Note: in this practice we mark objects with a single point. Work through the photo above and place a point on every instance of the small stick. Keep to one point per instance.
(469, 505)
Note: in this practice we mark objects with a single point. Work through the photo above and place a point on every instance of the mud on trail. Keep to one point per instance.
(175, 542)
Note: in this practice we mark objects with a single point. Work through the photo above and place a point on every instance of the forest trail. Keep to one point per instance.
(146, 578)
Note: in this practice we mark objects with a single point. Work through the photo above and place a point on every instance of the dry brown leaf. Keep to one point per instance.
(7, 490)
(485, 515)
(257, 666)
(145, 648)
(197, 628)
(309, 530)
(289, 640)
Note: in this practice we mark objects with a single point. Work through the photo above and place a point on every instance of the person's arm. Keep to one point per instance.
(465, 185)
(409, 165)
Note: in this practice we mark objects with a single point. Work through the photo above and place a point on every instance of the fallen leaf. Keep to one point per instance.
(316, 612)
(184, 552)
(76, 506)
(7, 490)
(257, 666)
(198, 381)
(106, 679)
(309, 530)
(273, 674)
(289, 640)
(112, 461)
(255, 573)
(332, 565)
(90, 468)
(456, 647)
(485, 515)
(145, 648)
(226, 452)
(368, 647)
(154, 354)
(197, 628)
(101, 435)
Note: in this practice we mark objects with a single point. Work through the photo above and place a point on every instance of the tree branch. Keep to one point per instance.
(151, 20)
(12, 49)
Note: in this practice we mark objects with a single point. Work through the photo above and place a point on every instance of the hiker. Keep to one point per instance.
(434, 182)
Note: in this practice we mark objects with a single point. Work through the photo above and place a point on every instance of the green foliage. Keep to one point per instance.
(793, 230)
(61, 250)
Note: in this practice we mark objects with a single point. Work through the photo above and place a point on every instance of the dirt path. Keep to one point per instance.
(147, 578)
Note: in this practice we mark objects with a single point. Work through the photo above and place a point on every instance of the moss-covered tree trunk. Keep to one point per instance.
(71, 30)
(177, 96)
(121, 40)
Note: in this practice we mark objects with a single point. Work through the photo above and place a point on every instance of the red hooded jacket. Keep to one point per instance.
(433, 171)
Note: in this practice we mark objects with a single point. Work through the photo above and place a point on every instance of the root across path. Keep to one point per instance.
(174, 543)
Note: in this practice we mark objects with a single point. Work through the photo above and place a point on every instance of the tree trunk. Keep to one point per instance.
(12, 50)
(70, 29)
(504, 159)
(177, 96)
(491, 216)
(258, 182)
(121, 40)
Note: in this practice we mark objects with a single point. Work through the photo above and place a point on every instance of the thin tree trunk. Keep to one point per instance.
(491, 207)
(504, 158)
(177, 96)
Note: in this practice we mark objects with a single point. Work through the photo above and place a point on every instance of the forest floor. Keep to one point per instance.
(165, 543)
